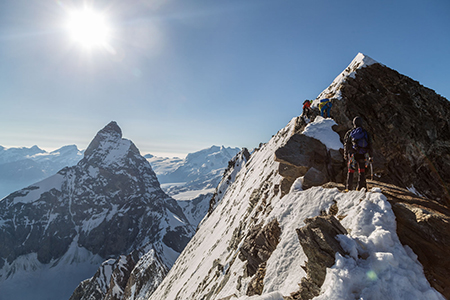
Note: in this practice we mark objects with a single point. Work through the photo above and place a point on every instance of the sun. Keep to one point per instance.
(88, 28)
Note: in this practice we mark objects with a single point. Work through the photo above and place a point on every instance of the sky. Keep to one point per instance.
(179, 76)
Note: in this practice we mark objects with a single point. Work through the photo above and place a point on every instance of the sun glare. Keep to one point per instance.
(89, 28)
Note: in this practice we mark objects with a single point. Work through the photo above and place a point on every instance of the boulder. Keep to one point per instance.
(302, 152)
(314, 177)
(297, 157)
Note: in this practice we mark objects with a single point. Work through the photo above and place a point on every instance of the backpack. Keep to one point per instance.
(360, 140)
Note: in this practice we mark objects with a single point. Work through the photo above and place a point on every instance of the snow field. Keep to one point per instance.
(390, 271)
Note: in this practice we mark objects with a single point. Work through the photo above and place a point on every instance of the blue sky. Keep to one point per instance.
(184, 75)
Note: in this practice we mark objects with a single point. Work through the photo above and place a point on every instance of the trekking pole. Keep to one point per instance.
(371, 171)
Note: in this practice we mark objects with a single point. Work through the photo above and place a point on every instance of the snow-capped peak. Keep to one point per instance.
(109, 134)
(361, 60)
(333, 91)
(108, 147)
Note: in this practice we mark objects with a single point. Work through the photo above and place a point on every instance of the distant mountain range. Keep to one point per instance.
(20, 167)
(198, 173)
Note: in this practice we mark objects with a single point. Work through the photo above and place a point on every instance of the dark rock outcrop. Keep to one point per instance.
(300, 154)
(256, 250)
(145, 277)
(318, 240)
(314, 178)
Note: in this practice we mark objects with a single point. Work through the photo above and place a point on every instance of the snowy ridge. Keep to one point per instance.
(193, 180)
(229, 176)
(333, 90)
(210, 267)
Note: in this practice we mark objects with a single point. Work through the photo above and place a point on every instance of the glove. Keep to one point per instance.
(371, 159)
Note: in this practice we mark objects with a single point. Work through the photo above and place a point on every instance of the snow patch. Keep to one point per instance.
(189, 195)
(389, 271)
(321, 129)
(33, 193)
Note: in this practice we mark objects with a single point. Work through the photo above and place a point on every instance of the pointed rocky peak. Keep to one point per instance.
(334, 90)
(110, 133)
(109, 147)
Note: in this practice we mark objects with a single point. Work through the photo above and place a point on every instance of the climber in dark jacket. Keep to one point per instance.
(358, 152)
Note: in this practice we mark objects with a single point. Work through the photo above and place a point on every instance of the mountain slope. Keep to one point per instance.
(248, 245)
(109, 204)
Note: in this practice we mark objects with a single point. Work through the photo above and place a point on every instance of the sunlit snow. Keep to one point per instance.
(321, 129)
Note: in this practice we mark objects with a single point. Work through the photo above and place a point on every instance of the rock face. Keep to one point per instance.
(256, 250)
(133, 276)
(306, 156)
(109, 204)
(410, 125)
(318, 239)
(228, 177)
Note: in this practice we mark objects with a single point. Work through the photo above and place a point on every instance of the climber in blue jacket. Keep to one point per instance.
(325, 108)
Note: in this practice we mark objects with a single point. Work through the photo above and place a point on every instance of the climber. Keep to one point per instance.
(307, 110)
(358, 153)
(325, 107)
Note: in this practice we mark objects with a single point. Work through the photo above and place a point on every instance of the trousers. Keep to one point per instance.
(356, 161)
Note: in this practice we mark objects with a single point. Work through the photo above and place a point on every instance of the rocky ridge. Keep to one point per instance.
(271, 186)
